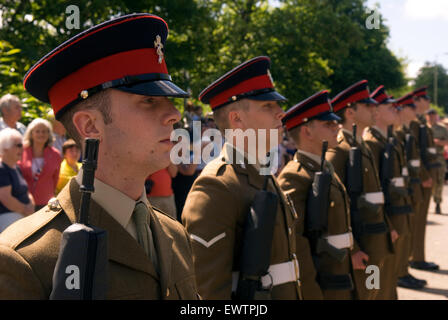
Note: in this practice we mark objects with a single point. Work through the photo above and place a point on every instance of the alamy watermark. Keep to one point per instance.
(372, 21)
(253, 147)
(72, 21)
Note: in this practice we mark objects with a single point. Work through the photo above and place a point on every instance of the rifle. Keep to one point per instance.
(355, 186)
(255, 253)
(316, 219)
(83, 250)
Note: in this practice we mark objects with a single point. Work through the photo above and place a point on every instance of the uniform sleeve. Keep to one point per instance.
(17, 279)
(209, 216)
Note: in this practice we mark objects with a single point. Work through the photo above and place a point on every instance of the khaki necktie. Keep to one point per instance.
(144, 234)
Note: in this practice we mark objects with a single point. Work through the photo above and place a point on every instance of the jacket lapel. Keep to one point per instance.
(121, 246)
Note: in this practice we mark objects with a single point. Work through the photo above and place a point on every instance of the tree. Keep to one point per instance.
(425, 77)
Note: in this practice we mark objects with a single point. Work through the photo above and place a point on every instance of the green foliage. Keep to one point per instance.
(426, 77)
(313, 44)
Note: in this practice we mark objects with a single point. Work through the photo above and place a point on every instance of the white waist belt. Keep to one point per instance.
(341, 241)
(398, 182)
(415, 163)
(374, 197)
(404, 172)
(277, 274)
(432, 150)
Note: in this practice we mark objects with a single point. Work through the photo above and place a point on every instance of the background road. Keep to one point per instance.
(436, 251)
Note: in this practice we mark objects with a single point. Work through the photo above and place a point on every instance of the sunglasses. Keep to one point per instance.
(19, 145)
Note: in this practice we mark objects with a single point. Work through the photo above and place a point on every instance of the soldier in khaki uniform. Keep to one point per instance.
(309, 123)
(221, 197)
(440, 134)
(149, 253)
(397, 205)
(354, 106)
(428, 154)
(409, 150)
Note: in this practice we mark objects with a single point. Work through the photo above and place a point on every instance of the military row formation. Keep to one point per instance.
(356, 193)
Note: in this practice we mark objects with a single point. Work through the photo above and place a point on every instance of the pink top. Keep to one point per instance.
(42, 185)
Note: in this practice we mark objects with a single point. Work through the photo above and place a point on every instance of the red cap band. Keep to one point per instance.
(116, 66)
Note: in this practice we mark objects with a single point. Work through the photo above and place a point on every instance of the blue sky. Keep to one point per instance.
(418, 30)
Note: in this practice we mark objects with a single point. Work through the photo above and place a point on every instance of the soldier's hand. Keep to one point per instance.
(394, 235)
(427, 183)
(359, 260)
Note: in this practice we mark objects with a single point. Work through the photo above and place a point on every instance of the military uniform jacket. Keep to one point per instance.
(296, 180)
(374, 237)
(439, 132)
(425, 169)
(29, 250)
(399, 208)
(214, 215)
(413, 161)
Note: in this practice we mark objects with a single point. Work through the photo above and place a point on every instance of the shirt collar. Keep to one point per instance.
(115, 202)
(380, 131)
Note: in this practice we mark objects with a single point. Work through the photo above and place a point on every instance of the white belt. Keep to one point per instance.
(398, 182)
(374, 197)
(432, 150)
(405, 172)
(277, 274)
(341, 241)
(415, 163)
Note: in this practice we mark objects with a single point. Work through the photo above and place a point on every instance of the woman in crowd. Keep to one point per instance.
(40, 161)
(15, 200)
(70, 165)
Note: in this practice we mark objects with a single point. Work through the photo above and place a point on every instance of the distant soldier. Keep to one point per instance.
(324, 202)
(440, 133)
(407, 145)
(390, 162)
(428, 155)
(222, 199)
(355, 107)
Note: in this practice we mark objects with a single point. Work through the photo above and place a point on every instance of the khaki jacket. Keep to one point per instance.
(400, 222)
(425, 171)
(374, 244)
(29, 250)
(296, 180)
(214, 215)
(413, 161)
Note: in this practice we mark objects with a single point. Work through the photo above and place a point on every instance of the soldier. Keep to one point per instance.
(309, 123)
(428, 154)
(440, 133)
(397, 206)
(110, 83)
(409, 150)
(354, 106)
(244, 100)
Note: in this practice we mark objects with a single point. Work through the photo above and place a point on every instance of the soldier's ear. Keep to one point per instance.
(89, 123)
(235, 119)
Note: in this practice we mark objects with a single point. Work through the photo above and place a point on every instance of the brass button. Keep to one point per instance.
(167, 292)
(289, 231)
(332, 204)
(367, 170)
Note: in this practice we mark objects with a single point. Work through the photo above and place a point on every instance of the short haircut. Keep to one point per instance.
(341, 113)
(221, 115)
(28, 139)
(295, 132)
(70, 143)
(7, 100)
(99, 101)
(6, 138)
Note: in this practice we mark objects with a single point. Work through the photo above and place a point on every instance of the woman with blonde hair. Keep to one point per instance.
(40, 162)
(15, 200)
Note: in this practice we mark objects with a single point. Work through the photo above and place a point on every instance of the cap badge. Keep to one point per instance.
(159, 46)
(270, 76)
